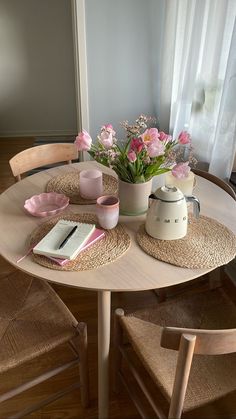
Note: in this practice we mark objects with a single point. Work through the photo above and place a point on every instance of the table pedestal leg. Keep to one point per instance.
(104, 327)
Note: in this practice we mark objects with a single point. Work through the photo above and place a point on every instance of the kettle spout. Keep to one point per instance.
(196, 204)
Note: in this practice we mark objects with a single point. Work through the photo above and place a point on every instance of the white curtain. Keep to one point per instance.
(198, 78)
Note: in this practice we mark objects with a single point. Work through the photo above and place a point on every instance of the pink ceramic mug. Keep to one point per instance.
(107, 210)
(90, 184)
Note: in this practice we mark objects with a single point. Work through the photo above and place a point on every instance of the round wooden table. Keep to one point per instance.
(134, 271)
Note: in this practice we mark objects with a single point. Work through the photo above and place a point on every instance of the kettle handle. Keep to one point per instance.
(196, 204)
(150, 198)
(153, 196)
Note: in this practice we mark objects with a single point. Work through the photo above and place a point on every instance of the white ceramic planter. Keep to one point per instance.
(134, 197)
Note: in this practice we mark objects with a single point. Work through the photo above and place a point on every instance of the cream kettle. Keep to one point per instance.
(167, 216)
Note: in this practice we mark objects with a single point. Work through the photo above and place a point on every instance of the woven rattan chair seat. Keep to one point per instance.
(33, 320)
(211, 377)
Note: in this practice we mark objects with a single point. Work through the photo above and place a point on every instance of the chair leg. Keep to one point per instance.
(118, 337)
(81, 345)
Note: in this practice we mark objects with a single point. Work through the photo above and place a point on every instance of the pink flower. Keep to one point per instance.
(106, 139)
(83, 141)
(136, 145)
(155, 149)
(150, 135)
(181, 170)
(131, 156)
(184, 138)
(109, 129)
(164, 137)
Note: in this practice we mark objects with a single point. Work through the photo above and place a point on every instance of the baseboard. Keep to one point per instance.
(13, 134)
(54, 139)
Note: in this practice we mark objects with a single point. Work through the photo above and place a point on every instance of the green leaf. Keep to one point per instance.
(127, 146)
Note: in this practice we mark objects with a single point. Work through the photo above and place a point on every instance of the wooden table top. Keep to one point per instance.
(134, 271)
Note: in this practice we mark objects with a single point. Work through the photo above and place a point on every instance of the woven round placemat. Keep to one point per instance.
(115, 243)
(208, 244)
(68, 184)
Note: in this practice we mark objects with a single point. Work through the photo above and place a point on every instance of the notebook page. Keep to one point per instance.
(49, 245)
(96, 235)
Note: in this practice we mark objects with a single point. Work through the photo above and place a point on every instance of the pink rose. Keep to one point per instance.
(131, 156)
(150, 135)
(181, 170)
(184, 138)
(155, 149)
(136, 145)
(83, 141)
(106, 139)
(164, 137)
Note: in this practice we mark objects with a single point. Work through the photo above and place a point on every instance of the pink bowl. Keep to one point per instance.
(46, 204)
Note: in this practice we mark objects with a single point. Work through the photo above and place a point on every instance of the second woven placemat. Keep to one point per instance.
(115, 243)
(68, 184)
(208, 244)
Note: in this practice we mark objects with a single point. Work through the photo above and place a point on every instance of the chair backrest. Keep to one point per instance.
(208, 342)
(189, 342)
(214, 179)
(42, 155)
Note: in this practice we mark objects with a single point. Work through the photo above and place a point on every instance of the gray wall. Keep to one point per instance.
(123, 54)
(37, 86)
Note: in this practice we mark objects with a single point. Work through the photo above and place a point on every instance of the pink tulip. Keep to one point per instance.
(83, 141)
(109, 129)
(136, 145)
(181, 170)
(106, 139)
(131, 156)
(184, 138)
(150, 135)
(164, 137)
(155, 149)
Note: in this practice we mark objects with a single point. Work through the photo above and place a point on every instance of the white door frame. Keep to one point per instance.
(80, 59)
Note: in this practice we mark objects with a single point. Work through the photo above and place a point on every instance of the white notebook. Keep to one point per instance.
(49, 245)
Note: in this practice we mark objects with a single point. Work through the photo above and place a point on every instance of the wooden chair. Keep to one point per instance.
(216, 180)
(214, 276)
(176, 343)
(42, 155)
(33, 322)
(217, 274)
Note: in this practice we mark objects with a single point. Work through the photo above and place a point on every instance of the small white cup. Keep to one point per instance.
(107, 210)
(90, 184)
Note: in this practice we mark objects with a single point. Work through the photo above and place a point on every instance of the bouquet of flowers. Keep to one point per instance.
(146, 152)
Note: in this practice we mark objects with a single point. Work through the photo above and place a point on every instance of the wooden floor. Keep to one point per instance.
(83, 305)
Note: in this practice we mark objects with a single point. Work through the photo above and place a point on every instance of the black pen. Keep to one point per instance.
(67, 237)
